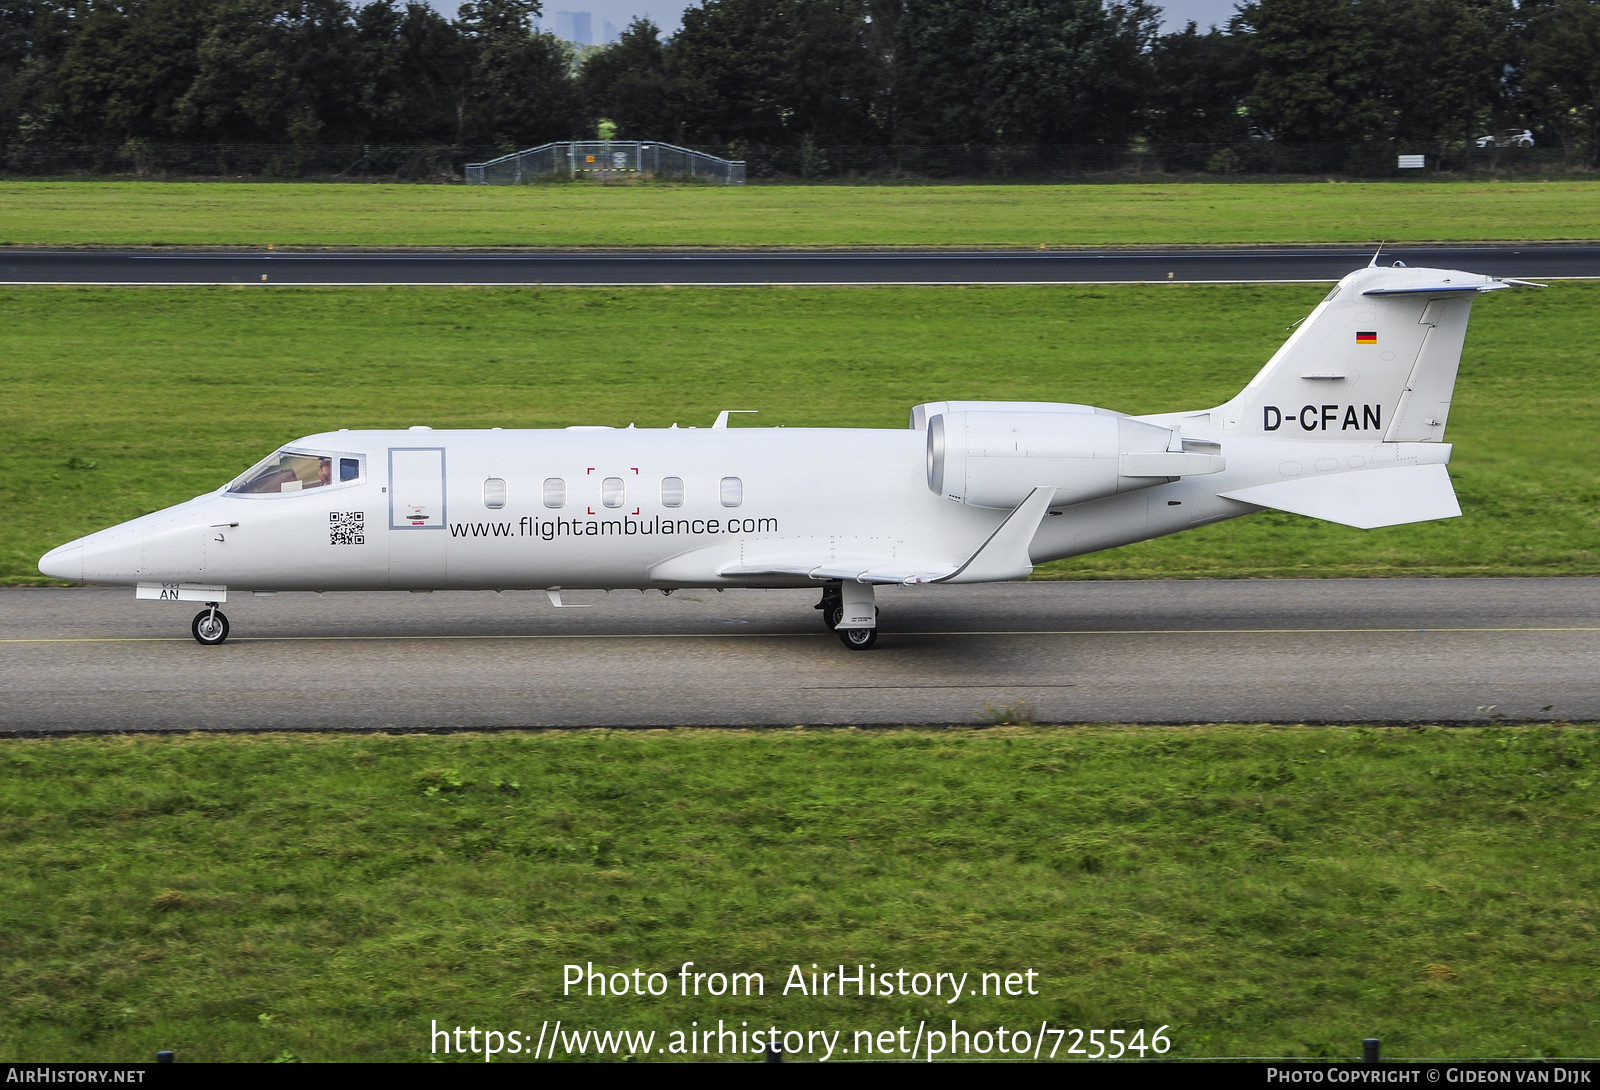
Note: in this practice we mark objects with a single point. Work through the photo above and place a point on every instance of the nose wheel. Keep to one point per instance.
(210, 626)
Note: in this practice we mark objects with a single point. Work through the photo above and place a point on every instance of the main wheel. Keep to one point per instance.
(831, 606)
(858, 639)
(210, 627)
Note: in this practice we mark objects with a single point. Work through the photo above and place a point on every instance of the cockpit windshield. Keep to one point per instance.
(296, 471)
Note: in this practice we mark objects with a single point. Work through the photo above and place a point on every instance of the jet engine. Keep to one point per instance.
(995, 456)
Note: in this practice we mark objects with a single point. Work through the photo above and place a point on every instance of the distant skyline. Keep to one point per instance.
(1204, 13)
(667, 14)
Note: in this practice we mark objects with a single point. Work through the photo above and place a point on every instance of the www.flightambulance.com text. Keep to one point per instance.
(928, 1039)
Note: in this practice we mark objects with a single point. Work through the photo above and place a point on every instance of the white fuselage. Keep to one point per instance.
(822, 493)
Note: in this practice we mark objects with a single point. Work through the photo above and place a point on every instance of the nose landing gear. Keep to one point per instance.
(210, 626)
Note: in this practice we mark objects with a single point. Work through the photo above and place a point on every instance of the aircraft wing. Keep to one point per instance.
(1004, 555)
(863, 569)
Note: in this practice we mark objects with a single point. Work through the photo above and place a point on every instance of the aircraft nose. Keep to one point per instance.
(110, 556)
(65, 562)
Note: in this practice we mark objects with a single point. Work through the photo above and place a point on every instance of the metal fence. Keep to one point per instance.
(605, 159)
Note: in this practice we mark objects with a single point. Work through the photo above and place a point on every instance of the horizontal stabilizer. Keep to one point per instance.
(1366, 498)
(1454, 283)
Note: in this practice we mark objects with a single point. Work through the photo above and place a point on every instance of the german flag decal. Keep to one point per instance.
(1367, 338)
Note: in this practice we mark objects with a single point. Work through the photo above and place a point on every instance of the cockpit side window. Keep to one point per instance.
(296, 471)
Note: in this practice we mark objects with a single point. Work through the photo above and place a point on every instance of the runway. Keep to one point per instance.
(1345, 651)
(752, 268)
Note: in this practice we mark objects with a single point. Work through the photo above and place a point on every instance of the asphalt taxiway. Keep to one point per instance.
(1291, 651)
(753, 267)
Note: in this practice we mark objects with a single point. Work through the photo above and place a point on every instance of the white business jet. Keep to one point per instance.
(1344, 423)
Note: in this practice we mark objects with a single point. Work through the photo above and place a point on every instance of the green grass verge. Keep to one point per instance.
(1261, 891)
(287, 214)
(121, 401)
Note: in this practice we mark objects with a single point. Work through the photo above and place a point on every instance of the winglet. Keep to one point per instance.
(1005, 554)
(1373, 264)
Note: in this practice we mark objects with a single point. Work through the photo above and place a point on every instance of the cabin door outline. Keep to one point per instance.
(418, 532)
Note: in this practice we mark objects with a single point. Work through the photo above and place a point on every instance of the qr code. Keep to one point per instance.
(347, 528)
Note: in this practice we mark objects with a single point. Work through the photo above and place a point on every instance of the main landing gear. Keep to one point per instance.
(858, 639)
(830, 606)
(848, 609)
(210, 626)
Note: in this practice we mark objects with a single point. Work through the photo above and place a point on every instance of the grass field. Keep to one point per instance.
(1260, 891)
(582, 215)
(117, 401)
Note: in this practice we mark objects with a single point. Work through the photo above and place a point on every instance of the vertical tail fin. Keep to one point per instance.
(1376, 359)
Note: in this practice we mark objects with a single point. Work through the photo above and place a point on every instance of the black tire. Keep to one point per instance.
(210, 627)
(830, 605)
(858, 639)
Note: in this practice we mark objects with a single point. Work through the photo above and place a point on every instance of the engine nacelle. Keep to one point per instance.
(994, 457)
(921, 414)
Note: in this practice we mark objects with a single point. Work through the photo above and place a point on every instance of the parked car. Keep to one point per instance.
(1507, 138)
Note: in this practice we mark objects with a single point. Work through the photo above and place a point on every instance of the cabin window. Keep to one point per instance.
(732, 491)
(494, 493)
(555, 492)
(611, 491)
(672, 492)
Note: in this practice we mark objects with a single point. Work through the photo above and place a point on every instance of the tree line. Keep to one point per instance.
(803, 74)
